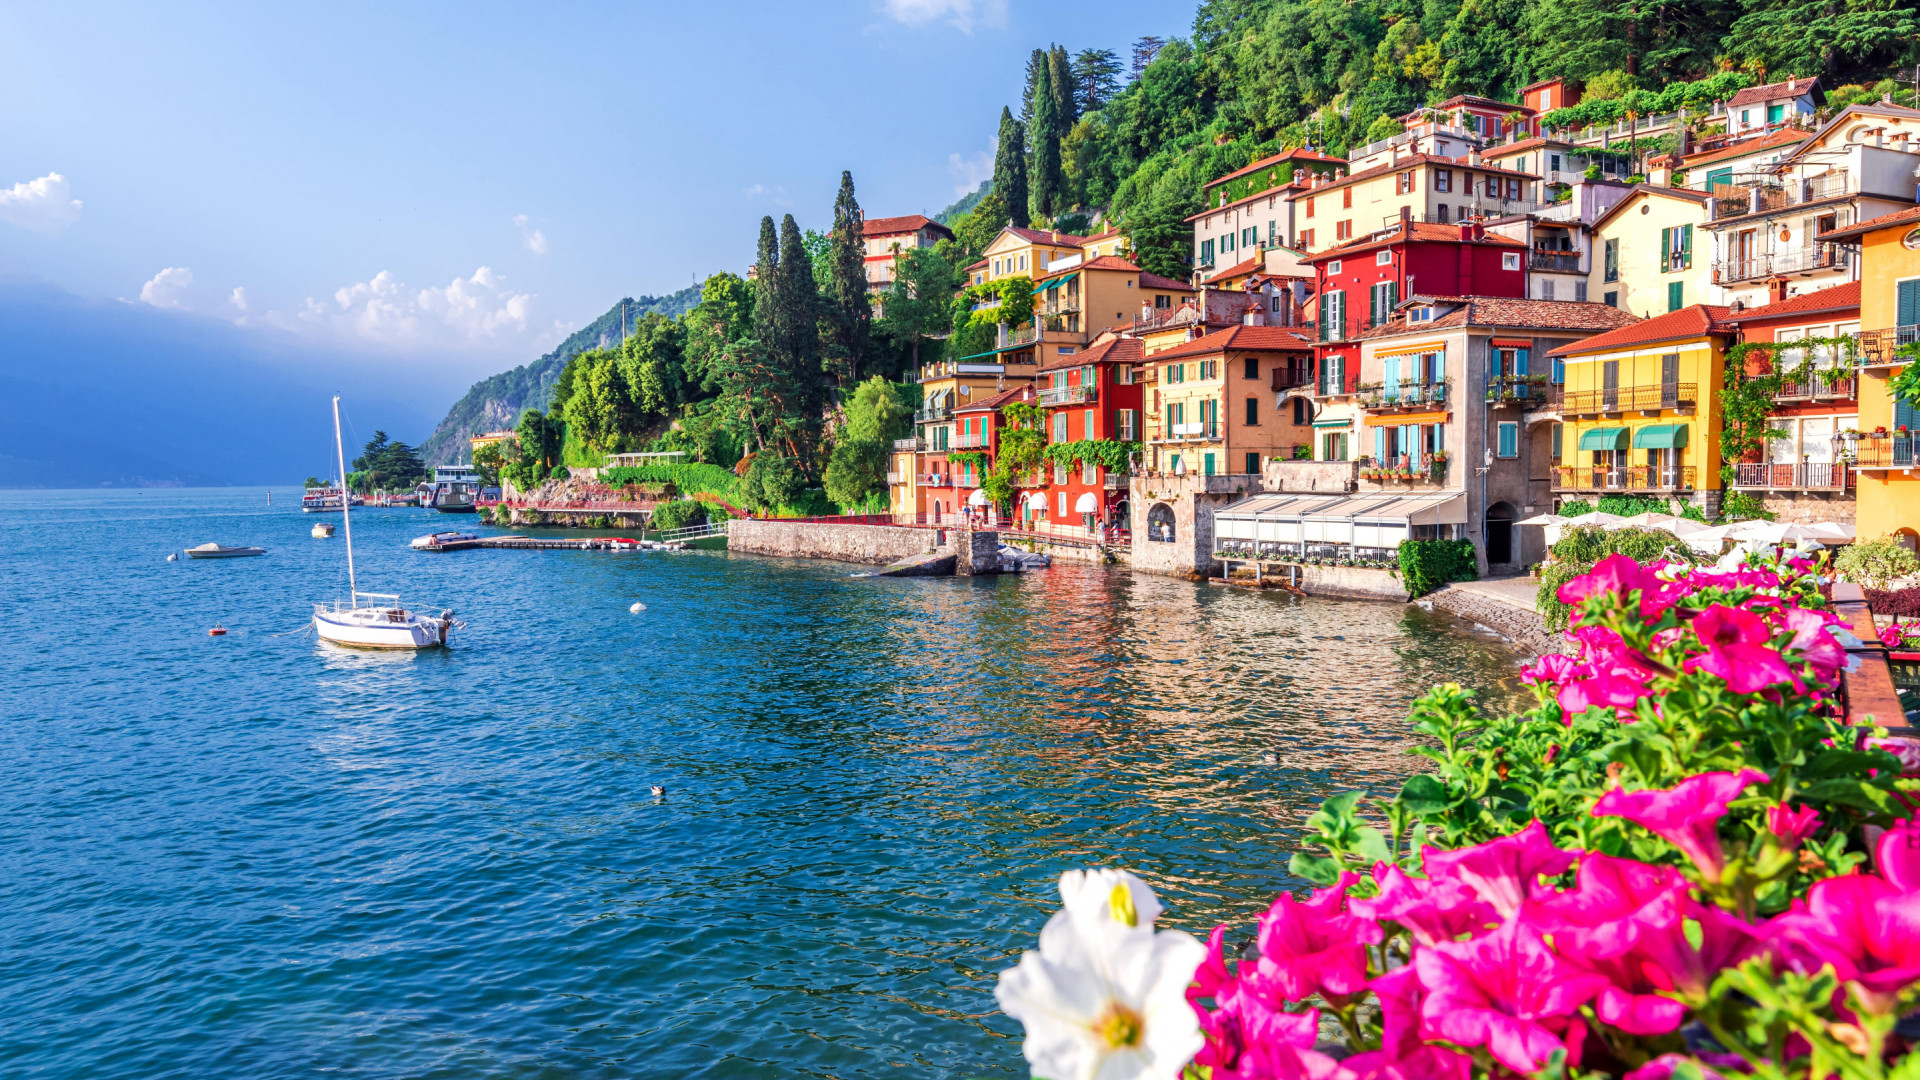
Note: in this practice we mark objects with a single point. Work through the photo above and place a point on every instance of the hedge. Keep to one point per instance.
(1425, 565)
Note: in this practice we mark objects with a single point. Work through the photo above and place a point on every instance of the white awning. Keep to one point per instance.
(1086, 504)
(1037, 500)
(1374, 520)
(978, 498)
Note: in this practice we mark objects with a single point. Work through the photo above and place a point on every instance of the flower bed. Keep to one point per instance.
(1680, 862)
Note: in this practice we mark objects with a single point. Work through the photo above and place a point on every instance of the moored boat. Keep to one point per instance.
(322, 530)
(436, 541)
(215, 551)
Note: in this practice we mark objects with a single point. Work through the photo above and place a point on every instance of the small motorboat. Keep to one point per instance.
(215, 551)
(440, 540)
(322, 530)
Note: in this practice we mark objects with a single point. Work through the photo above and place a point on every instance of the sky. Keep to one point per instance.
(457, 187)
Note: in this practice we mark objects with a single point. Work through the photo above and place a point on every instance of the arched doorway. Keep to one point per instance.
(1499, 532)
(1160, 523)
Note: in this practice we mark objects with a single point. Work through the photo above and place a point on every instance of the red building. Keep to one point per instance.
(976, 430)
(1359, 283)
(1096, 394)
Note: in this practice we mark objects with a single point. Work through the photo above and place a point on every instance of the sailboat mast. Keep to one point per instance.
(346, 516)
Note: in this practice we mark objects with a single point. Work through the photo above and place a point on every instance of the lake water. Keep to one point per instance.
(259, 856)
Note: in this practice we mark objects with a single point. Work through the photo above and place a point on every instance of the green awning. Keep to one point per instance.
(1660, 437)
(1333, 423)
(1606, 438)
(1052, 284)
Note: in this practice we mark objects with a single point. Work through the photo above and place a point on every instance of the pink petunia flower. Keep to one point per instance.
(1432, 911)
(1907, 750)
(1502, 872)
(1313, 947)
(1616, 574)
(1674, 963)
(1897, 856)
(1551, 669)
(1613, 689)
(1423, 1063)
(1669, 1065)
(1865, 926)
(1687, 815)
(1633, 1001)
(1736, 644)
(1792, 827)
(1612, 903)
(1506, 991)
(1814, 643)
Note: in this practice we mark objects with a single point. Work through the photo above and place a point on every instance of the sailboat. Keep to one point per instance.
(383, 623)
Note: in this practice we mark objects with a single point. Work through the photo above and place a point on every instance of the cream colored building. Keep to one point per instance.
(1651, 253)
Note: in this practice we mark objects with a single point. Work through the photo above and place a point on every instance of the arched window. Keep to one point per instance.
(1160, 523)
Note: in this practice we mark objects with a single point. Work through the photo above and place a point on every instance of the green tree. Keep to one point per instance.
(1096, 78)
(766, 286)
(1823, 37)
(538, 436)
(1386, 127)
(653, 361)
(1066, 95)
(1010, 171)
(975, 229)
(772, 481)
(488, 461)
(600, 411)
(917, 304)
(857, 469)
(852, 311)
(1044, 168)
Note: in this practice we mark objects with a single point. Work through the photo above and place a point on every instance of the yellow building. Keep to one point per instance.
(1888, 489)
(1651, 253)
(1217, 405)
(1638, 413)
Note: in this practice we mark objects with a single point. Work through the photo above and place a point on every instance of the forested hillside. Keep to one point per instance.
(496, 402)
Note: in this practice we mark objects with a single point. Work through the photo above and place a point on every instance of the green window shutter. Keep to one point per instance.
(1666, 245)
(1676, 295)
(1686, 247)
(1393, 295)
(1907, 306)
(1558, 435)
(1905, 415)
(1373, 306)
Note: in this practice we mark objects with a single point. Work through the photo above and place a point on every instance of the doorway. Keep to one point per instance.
(1499, 531)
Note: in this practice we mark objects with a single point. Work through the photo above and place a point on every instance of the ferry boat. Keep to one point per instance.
(452, 489)
(385, 623)
(321, 500)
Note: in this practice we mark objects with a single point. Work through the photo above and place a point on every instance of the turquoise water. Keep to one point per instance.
(259, 856)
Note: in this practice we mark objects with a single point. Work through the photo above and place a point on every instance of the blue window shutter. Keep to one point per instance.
(1380, 445)
(1559, 372)
(1907, 306)
(1520, 361)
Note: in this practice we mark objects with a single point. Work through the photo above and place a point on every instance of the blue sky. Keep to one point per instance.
(458, 186)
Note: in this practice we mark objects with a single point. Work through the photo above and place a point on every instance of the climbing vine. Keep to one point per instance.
(1905, 386)
(1022, 441)
(1747, 401)
(1110, 454)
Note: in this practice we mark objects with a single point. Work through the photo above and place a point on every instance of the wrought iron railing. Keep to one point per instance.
(1819, 387)
(1623, 478)
(1557, 261)
(1894, 452)
(1068, 395)
(1621, 398)
(968, 440)
(912, 446)
(1877, 347)
(1812, 475)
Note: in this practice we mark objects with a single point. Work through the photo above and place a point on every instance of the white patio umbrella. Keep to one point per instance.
(1672, 523)
(1833, 532)
(978, 498)
(1775, 532)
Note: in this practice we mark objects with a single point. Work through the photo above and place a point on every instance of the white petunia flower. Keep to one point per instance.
(1104, 998)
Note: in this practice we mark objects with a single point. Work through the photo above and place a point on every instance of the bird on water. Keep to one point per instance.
(658, 791)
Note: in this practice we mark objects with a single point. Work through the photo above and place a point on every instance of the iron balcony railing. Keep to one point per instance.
(1532, 391)
(933, 415)
(1026, 334)
(936, 480)
(1291, 376)
(1877, 347)
(910, 446)
(1818, 388)
(1622, 398)
(898, 478)
(1405, 396)
(1068, 395)
(1794, 261)
(1557, 261)
(1894, 452)
(1808, 475)
(1623, 478)
(968, 440)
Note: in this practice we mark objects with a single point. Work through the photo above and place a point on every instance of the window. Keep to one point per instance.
(1676, 295)
(1546, 288)
(1160, 520)
(1333, 316)
(1521, 164)
(1557, 436)
(1746, 117)
(1405, 184)
(1776, 113)
(1067, 350)
(1343, 230)
(1306, 238)
(1253, 417)
(1580, 291)
(1253, 461)
(1509, 260)
(1612, 264)
(1443, 179)
(1611, 299)
(1206, 253)
(1273, 230)
(1299, 412)
(1513, 188)
(1509, 440)
(1023, 262)
(1309, 207)
(1441, 212)
(1161, 301)
(1089, 473)
(1226, 242)
(1128, 422)
(1493, 187)
(1380, 301)
(1206, 461)
(1383, 257)
(1060, 428)
(1676, 247)
(1346, 198)
(1252, 367)
(1333, 267)
(1063, 497)
(1554, 160)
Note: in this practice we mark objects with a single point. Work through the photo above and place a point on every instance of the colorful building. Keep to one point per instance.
(1225, 403)
(1253, 208)
(1888, 489)
(1760, 108)
(886, 238)
(976, 441)
(1644, 258)
(1638, 409)
(1804, 475)
(1090, 396)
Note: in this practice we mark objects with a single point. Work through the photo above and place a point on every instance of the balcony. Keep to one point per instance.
(1194, 432)
(1068, 395)
(1377, 398)
(1820, 388)
(1628, 478)
(1526, 391)
(1877, 347)
(968, 440)
(1805, 260)
(1621, 399)
(1292, 377)
(934, 480)
(909, 446)
(1806, 476)
(933, 415)
(895, 478)
(1116, 481)
(1012, 339)
(1895, 452)
(1560, 262)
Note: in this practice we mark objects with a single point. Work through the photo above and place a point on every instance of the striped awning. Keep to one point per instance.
(1412, 350)
(1393, 420)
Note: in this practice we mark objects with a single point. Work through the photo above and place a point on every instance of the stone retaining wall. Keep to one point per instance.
(1523, 627)
(880, 544)
(1352, 583)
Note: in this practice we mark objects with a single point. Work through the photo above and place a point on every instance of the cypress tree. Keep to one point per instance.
(798, 305)
(1036, 64)
(1010, 168)
(1044, 172)
(849, 276)
(766, 287)
(1066, 91)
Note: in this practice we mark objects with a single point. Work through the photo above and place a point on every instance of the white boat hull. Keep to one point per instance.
(382, 628)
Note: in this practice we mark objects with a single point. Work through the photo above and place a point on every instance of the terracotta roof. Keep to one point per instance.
(1096, 237)
(1423, 232)
(1537, 85)
(1473, 99)
(1511, 313)
(889, 226)
(1293, 189)
(993, 403)
(1118, 350)
(1150, 280)
(1689, 322)
(1686, 194)
(1042, 236)
(1240, 336)
(974, 266)
(1105, 262)
(1417, 159)
(1297, 153)
(1247, 267)
(1884, 221)
(1837, 298)
(1753, 95)
(1745, 147)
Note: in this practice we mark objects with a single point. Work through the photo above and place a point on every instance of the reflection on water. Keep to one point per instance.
(263, 856)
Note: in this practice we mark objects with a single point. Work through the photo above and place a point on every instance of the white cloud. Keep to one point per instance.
(167, 287)
(239, 297)
(44, 205)
(536, 240)
(969, 171)
(963, 15)
(383, 310)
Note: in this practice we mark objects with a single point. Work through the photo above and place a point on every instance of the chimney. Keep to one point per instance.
(1473, 156)
(1791, 83)
(1393, 154)
(1776, 289)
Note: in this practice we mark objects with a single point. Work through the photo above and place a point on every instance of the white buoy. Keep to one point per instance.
(173, 557)
(659, 790)
(637, 607)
